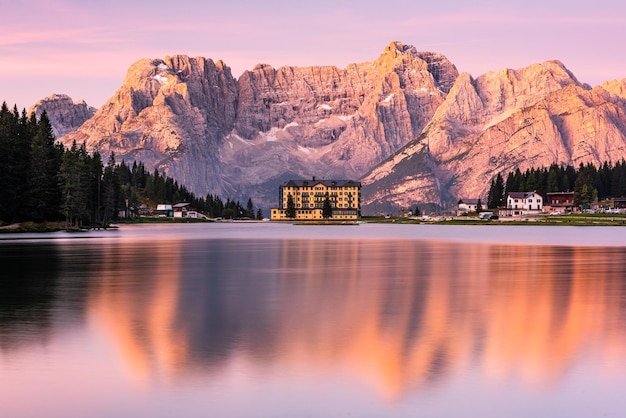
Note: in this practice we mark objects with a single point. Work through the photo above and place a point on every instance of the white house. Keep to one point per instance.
(468, 205)
(521, 203)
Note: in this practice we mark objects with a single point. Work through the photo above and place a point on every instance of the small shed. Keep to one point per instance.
(164, 210)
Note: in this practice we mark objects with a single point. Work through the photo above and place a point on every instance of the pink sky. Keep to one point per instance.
(83, 49)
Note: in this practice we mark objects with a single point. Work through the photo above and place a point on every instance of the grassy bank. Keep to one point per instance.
(33, 227)
(561, 220)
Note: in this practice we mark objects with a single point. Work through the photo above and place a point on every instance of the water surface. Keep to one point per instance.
(266, 320)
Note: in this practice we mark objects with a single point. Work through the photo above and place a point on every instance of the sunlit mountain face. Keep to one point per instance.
(401, 315)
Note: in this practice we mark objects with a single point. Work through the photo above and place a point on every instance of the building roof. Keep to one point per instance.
(469, 201)
(181, 205)
(327, 183)
(521, 195)
(559, 193)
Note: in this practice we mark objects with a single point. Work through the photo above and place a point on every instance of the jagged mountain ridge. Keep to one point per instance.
(192, 119)
(65, 115)
(501, 121)
(406, 124)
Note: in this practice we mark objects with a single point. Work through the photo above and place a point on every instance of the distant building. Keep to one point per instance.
(562, 202)
(308, 197)
(184, 210)
(468, 205)
(619, 202)
(164, 209)
(523, 203)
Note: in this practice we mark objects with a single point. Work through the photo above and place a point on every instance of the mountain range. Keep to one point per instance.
(407, 125)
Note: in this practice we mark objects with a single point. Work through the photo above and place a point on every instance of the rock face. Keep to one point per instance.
(65, 115)
(190, 118)
(501, 121)
(172, 114)
(406, 124)
(616, 87)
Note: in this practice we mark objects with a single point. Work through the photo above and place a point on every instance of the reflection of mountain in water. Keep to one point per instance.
(401, 314)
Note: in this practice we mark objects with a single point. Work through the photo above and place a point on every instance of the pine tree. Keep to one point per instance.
(150, 192)
(531, 181)
(327, 208)
(43, 189)
(569, 178)
(291, 207)
(74, 184)
(218, 207)
(7, 126)
(500, 191)
(553, 179)
(110, 190)
(250, 209)
(618, 179)
(231, 209)
(479, 206)
(15, 144)
(604, 180)
(514, 181)
(584, 192)
(94, 202)
(495, 198)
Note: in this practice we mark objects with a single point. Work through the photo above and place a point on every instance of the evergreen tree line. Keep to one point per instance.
(588, 182)
(42, 181)
(138, 186)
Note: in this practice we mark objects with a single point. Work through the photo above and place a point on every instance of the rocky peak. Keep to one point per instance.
(332, 103)
(65, 115)
(530, 117)
(397, 47)
(191, 118)
(444, 72)
(494, 95)
(615, 87)
(167, 114)
(397, 54)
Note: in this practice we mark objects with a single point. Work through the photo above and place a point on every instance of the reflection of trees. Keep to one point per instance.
(549, 305)
(183, 307)
(400, 313)
(27, 293)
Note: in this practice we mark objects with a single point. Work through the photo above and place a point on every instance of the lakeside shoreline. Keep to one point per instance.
(542, 220)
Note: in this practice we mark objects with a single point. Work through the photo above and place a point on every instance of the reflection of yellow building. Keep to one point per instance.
(309, 196)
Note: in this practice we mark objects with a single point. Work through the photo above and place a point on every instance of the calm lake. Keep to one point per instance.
(277, 320)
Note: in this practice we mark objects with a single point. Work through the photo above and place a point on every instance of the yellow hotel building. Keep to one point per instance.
(309, 196)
